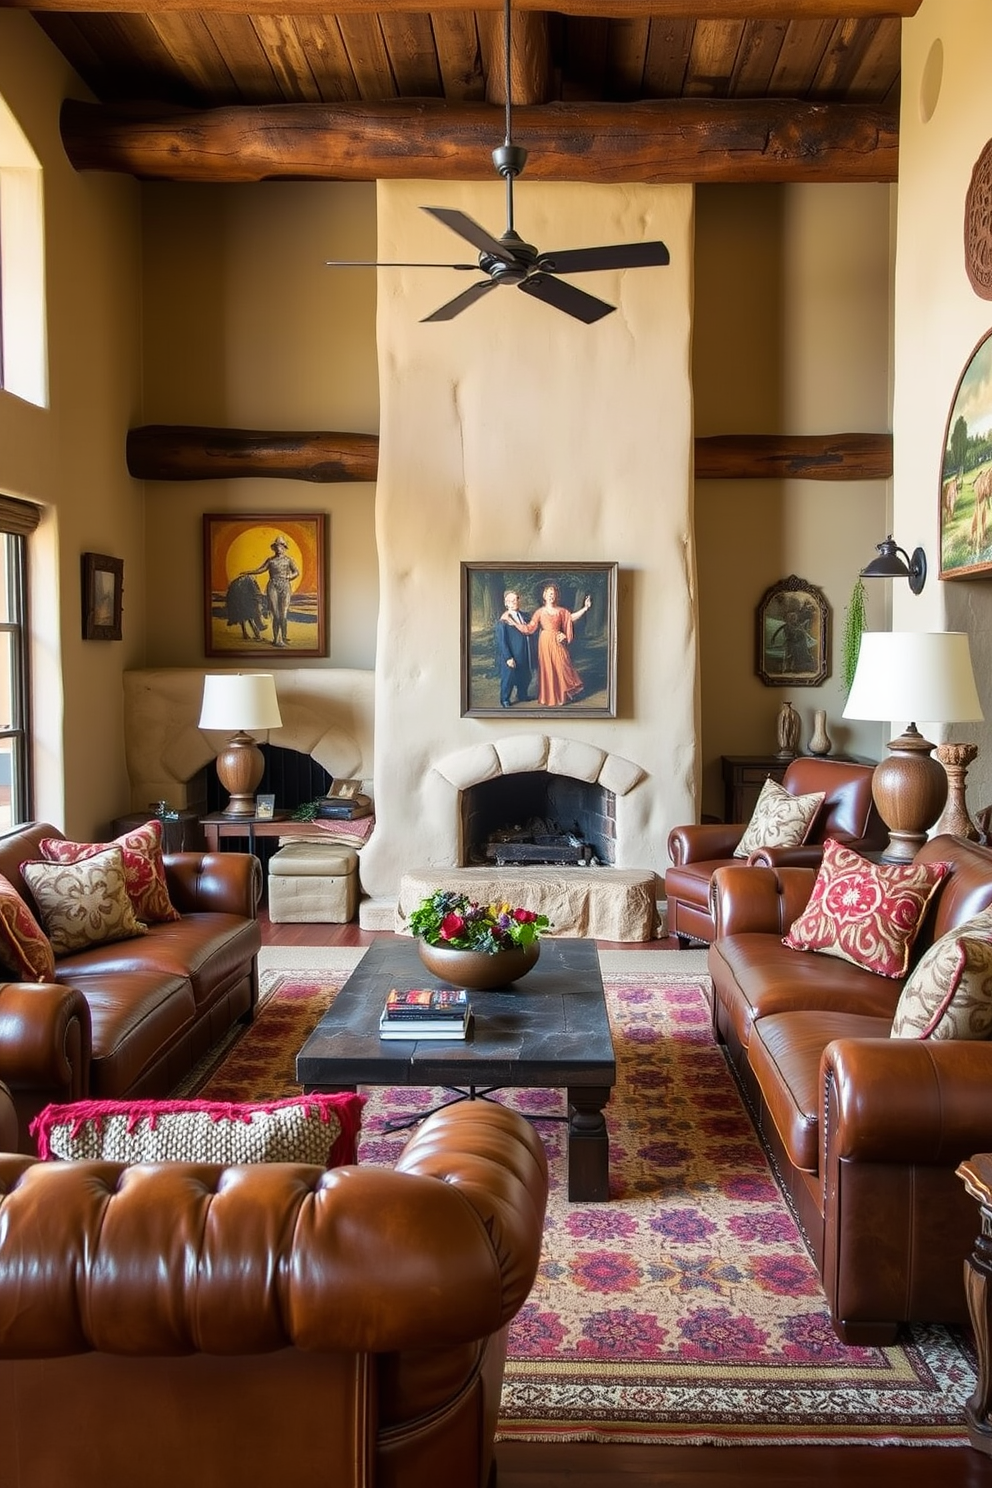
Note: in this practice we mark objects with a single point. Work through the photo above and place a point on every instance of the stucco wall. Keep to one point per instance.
(514, 432)
(69, 457)
(791, 334)
(939, 321)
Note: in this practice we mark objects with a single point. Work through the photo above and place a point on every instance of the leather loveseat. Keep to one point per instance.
(848, 815)
(130, 1018)
(181, 1324)
(865, 1130)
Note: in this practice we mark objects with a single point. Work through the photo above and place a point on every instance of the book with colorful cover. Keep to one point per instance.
(416, 1031)
(427, 1005)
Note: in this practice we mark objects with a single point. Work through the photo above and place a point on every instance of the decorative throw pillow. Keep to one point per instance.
(779, 819)
(24, 946)
(144, 870)
(304, 1128)
(867, 913)
(948, 994)
(83, 904)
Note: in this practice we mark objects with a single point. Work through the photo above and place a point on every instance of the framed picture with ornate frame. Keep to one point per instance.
(792, 635)
(966, 472)
(539, 638)
(264, 586)
(102, 593)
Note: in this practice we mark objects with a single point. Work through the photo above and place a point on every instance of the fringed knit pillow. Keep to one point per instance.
(303, 1129)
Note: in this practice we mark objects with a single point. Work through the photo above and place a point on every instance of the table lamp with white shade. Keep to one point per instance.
(912, 674)
(241, 701)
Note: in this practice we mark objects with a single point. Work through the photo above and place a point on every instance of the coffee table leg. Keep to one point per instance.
(588, 1144)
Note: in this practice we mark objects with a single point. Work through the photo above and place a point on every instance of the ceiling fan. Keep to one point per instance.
(509, 260)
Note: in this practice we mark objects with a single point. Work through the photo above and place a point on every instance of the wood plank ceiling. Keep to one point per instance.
(246, 52)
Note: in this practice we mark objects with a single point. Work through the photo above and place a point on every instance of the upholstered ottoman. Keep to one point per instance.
(313, 881)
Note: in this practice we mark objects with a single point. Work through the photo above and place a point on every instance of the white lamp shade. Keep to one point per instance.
(240, 701)
(913, 676)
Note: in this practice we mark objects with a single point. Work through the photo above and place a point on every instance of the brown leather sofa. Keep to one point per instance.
(865, 1130)
(181, 1324)
(848, 815)
(132, 1017)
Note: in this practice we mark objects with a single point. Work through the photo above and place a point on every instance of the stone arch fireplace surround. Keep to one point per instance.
(328, 713)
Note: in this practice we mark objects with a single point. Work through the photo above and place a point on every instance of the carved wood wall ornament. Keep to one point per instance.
(978, 225)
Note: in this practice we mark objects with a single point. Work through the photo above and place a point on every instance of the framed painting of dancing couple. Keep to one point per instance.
(539, 638)
(263, 585)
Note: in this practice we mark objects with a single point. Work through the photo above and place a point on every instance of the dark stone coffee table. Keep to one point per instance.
(550, 1030)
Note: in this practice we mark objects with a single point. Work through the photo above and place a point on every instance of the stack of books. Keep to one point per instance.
(426, 1013)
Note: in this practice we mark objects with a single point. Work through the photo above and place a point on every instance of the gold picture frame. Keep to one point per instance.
(264, 582)
(792, 635)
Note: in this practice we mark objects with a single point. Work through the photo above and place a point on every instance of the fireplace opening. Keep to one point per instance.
(538, 818)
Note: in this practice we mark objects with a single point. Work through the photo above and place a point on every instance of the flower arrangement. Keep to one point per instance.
(449, 919)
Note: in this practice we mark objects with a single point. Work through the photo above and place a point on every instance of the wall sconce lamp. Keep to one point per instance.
(240, 701)
(895, 563)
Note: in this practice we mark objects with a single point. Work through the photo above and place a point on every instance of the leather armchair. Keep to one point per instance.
(847, 815)
(183, 1323)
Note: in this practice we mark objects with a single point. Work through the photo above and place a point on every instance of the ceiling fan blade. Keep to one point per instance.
(471, 232)
(619, 256)
(358, 263)
(562, 296)
(461, 302)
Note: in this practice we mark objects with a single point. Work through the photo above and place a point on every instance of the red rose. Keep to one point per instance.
(524, 916)
(452, 925)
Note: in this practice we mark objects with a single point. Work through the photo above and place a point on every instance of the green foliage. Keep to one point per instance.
(855, 623)
(449, 919)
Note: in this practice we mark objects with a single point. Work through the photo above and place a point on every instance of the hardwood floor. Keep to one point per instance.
(586, 1465)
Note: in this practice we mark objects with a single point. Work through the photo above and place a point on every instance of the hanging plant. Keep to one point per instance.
(855, 624)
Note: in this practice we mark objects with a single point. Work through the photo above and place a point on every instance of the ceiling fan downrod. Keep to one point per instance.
(508, 158)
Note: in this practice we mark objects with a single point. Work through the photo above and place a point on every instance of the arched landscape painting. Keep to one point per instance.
(966, 473)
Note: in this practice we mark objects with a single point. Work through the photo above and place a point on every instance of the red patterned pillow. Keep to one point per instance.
(144, 871)
(303, 1128)
(867, 913)
(24, 946)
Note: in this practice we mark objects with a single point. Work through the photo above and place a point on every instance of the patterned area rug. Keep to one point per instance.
(686, 1310)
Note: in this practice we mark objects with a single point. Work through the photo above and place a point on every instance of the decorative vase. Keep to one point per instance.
(788, 732)
(477, 970)
(820, 741)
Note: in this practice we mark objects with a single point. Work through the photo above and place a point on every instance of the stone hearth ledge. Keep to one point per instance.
(603, 903)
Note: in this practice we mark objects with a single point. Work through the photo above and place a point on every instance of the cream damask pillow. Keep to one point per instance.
(779, 819)
(948, 995)
(85, 903)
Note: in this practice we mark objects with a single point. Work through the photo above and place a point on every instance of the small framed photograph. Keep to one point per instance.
(539, 638)
(265, 807)
(263, 585)
(793, 635)
(102, 590)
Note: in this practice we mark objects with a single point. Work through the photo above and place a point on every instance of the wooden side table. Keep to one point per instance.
(976, 1175)
(743, 777)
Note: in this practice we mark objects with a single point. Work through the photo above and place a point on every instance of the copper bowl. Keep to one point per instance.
(477, 970)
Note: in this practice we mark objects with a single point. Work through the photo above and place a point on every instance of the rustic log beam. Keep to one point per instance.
(185, 452)
(170, 452)
(702, 10)
(530, 58)
(847, 457)
(676, 140)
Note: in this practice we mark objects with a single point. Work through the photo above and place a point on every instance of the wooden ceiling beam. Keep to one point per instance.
(530, 58)
(702, 10)
(669, 141)
(183, 452)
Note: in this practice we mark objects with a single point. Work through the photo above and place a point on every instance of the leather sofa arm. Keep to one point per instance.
(807, 855)
(746, 899)
(45, 1039)
(923, 1102)
(179, 1257)
(702, 843)
(225, 883)
(8, 1121)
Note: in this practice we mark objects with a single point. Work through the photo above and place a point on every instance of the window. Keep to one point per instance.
(17, 519)
(23, 351)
